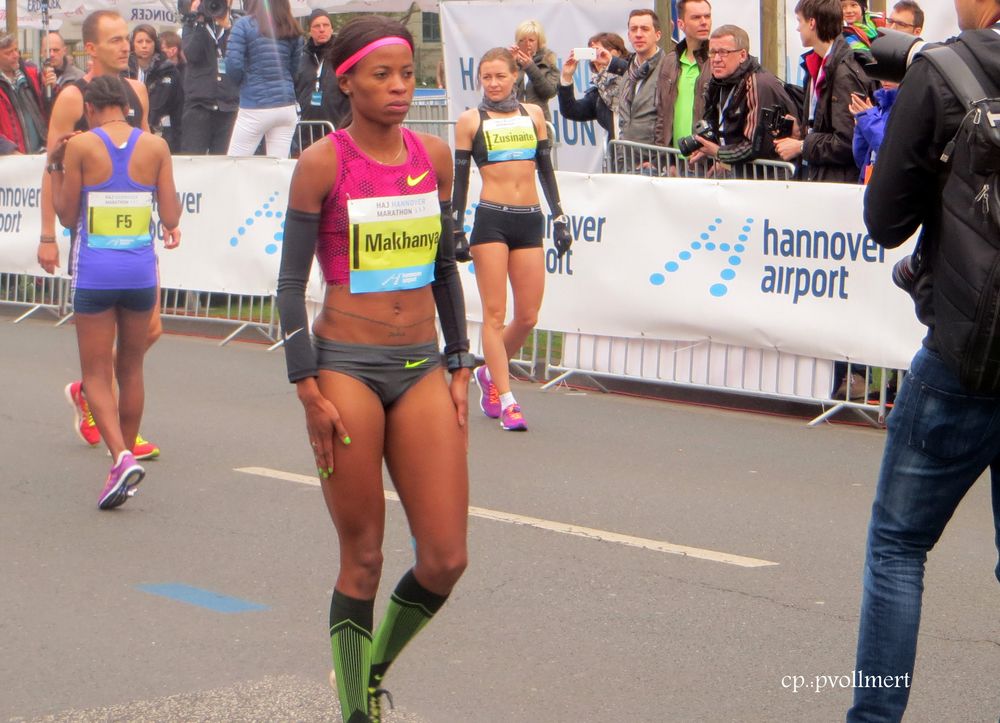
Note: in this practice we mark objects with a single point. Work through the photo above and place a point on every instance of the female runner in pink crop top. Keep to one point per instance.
(372, 202)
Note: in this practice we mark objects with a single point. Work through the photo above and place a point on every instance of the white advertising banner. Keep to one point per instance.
(768, 265)
(788, 267)
(231, 225)
(470, 28)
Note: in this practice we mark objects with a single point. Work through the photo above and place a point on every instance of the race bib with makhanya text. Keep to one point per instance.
(393, 241)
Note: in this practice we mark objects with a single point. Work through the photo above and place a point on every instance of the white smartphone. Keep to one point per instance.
(580, 54)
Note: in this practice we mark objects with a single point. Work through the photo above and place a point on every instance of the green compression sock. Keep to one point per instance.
(351, 640)
(410, 609)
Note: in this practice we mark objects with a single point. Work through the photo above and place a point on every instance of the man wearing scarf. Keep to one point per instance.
(637, 107)
(739, 92)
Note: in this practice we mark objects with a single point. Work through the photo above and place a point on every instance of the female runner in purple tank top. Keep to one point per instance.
(371, 202)
(103, 183)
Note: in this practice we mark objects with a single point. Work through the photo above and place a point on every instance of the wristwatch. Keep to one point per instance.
(55, 167)
(460, 360)
(562, 218)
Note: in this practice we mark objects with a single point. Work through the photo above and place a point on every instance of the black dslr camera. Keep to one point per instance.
(776, 123)
(891, 54)
(210, 8)
(689, 144)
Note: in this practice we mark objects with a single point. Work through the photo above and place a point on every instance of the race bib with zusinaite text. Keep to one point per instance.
(510, 139)
(393, 242)
(119, 220)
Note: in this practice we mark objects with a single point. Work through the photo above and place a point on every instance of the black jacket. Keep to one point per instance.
(828, 153)
(334, 105)
(958, 247)
(204, 86)
(734, 105)
(590, 107)
(166, 97)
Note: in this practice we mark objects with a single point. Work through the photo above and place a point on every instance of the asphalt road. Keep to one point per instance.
(545, 626)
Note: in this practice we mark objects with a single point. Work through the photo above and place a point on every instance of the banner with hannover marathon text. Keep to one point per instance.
(783, 266)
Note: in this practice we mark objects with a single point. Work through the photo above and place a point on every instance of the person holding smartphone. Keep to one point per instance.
(600, 102)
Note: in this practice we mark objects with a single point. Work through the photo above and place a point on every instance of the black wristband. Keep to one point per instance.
(460, 360)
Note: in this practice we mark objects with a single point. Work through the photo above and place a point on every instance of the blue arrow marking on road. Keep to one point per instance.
(202, 598)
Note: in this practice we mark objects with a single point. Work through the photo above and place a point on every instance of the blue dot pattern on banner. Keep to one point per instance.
(265, 211)
(704, 244)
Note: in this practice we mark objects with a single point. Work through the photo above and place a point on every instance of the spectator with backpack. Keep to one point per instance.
(937, 172)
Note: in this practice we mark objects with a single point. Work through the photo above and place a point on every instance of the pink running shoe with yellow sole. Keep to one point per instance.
(83, 423)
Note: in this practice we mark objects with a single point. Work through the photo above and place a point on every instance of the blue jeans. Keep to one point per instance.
(940, 440)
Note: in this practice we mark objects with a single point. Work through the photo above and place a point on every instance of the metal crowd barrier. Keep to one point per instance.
(246, 311)
(443, 129)
(38, 293)
(52, 295)
(664, 161)
(308, 132)
(709, 366)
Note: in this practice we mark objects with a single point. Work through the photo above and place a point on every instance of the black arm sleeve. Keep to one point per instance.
(297, 252)
(447, 287)
(460, 189)
(547, 176)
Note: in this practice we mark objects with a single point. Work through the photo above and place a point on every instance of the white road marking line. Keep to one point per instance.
(560, 527)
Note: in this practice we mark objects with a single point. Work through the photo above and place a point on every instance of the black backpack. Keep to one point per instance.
(974, 353)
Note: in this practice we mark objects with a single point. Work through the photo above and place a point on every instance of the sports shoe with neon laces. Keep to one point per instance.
(144, 449)
(83, 424)
(489, 397)
(124, 477)
(512, 420)
(375, 705)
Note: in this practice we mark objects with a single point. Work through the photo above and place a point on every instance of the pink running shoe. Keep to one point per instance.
(512, 420)
(489, 397)
(83, 424)
(124, 477)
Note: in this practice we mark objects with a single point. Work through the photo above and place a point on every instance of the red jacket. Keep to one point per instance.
(10, 124)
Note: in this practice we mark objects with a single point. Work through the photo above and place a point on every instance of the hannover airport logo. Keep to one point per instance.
(260, 216)
(720, 246)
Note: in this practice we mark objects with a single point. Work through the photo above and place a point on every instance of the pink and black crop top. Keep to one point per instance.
(380, 224)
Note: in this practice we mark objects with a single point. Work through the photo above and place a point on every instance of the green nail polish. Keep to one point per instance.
(330, 470)
(319, 471)
(347, 440)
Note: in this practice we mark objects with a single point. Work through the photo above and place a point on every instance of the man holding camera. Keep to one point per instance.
(746, 106)
(832, 75)
(211, 99)
(944, 430)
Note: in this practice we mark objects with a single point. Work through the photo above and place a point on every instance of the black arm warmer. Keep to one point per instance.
(297, 252)
(547, 176)
(460, 190)
(447, 287)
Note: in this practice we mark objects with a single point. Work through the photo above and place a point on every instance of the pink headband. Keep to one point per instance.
(372, 46)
